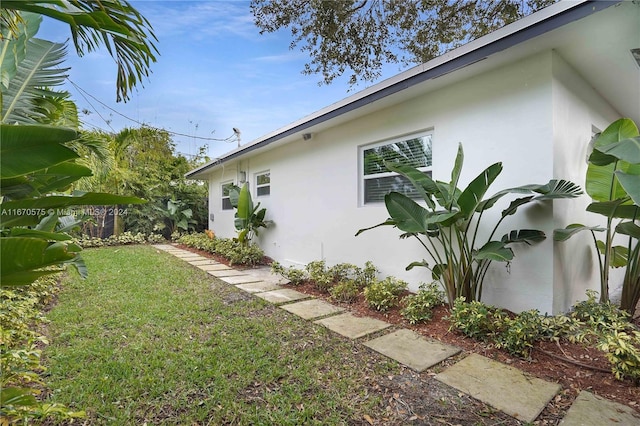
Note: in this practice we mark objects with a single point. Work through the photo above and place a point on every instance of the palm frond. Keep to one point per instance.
(126, 34)
(34, 74)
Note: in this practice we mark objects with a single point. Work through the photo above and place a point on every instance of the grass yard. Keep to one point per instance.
(148, 338)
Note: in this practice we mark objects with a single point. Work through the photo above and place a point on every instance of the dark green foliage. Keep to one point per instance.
(345, 291)
(232, 250)
(475, 319)
(418, 307)
(520, 333)
(361, 36)
(21, 375)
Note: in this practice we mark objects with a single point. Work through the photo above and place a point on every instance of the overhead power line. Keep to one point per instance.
(83, 92)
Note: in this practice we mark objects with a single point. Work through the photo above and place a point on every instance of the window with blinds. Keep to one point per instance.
(377, 180)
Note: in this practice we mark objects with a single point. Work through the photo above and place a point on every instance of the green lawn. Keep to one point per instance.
(148, 338)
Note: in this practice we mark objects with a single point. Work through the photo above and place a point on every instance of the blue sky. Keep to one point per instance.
(215, 72)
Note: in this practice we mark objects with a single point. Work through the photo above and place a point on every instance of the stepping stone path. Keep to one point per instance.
(278, 297)
(351, 326)
(591, 410)
(503, 387)
(411, 349)
(314, 308)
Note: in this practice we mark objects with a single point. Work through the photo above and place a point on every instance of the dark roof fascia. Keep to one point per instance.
(535, 29)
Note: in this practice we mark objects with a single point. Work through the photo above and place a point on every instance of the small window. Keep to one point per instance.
(226, 200)
(377, 180)
(263, 183)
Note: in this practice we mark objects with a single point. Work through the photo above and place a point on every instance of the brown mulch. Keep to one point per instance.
(574, 366)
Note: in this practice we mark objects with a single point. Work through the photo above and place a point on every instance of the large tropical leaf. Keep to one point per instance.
(408, 215)
(472, 195)
(13, 48)
(571, 230)
(22, 257)
(626, 150)
(629, 228)
(422, 183)
(631, 184)
(127, 35)
(601, 183)
(38, 70)
(620, 208)
(388, 222)
(26, 149)
(526, 236)
(494, 250)
(619, 255)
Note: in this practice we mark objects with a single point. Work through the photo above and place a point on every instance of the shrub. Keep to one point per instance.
(623, 351)
(20, 368)
(600, 316)
(318, 273)
(345, 291)
(156, 239)
(343, 272)
(238, 253)
(367, 275)
(475, 319)
(295, 276)
(419, 306)
(382, 295)
(518, 334)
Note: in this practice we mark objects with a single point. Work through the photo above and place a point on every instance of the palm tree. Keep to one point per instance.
(127, 35)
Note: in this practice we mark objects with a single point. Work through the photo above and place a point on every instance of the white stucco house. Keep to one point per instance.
(530, 95)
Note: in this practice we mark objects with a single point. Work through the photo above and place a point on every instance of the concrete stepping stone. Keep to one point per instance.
(189, 257)
(240, 279)
(258, 287)
(592, 410)
(265, 274)
(411, 349)
(219, 273)
(284, 295)
(351, 326)
(165, 247)
(313, 308)
(215, 267)
(505, 388)
(203, 261)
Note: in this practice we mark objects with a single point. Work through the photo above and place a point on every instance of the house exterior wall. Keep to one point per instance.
(578, 110)
(524, 114)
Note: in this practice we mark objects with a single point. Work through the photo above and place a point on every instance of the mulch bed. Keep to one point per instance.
(576, 367)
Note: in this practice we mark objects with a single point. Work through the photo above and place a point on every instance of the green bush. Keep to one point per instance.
(320, 275)
(119, 240)
(600, 316)
(419, 306)
(21, 371)
(623, 352)
(517, 335)
(475, 319)
(382, 295)
(230, 249)
(367, 275)
(345, 291)
(295, 276)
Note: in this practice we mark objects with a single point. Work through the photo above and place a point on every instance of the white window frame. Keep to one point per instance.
(264, 185)
(361, 152)
(225, 197)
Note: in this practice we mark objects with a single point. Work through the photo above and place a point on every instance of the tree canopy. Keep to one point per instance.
(360, 36)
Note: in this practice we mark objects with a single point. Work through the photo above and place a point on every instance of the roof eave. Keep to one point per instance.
(541, 22)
